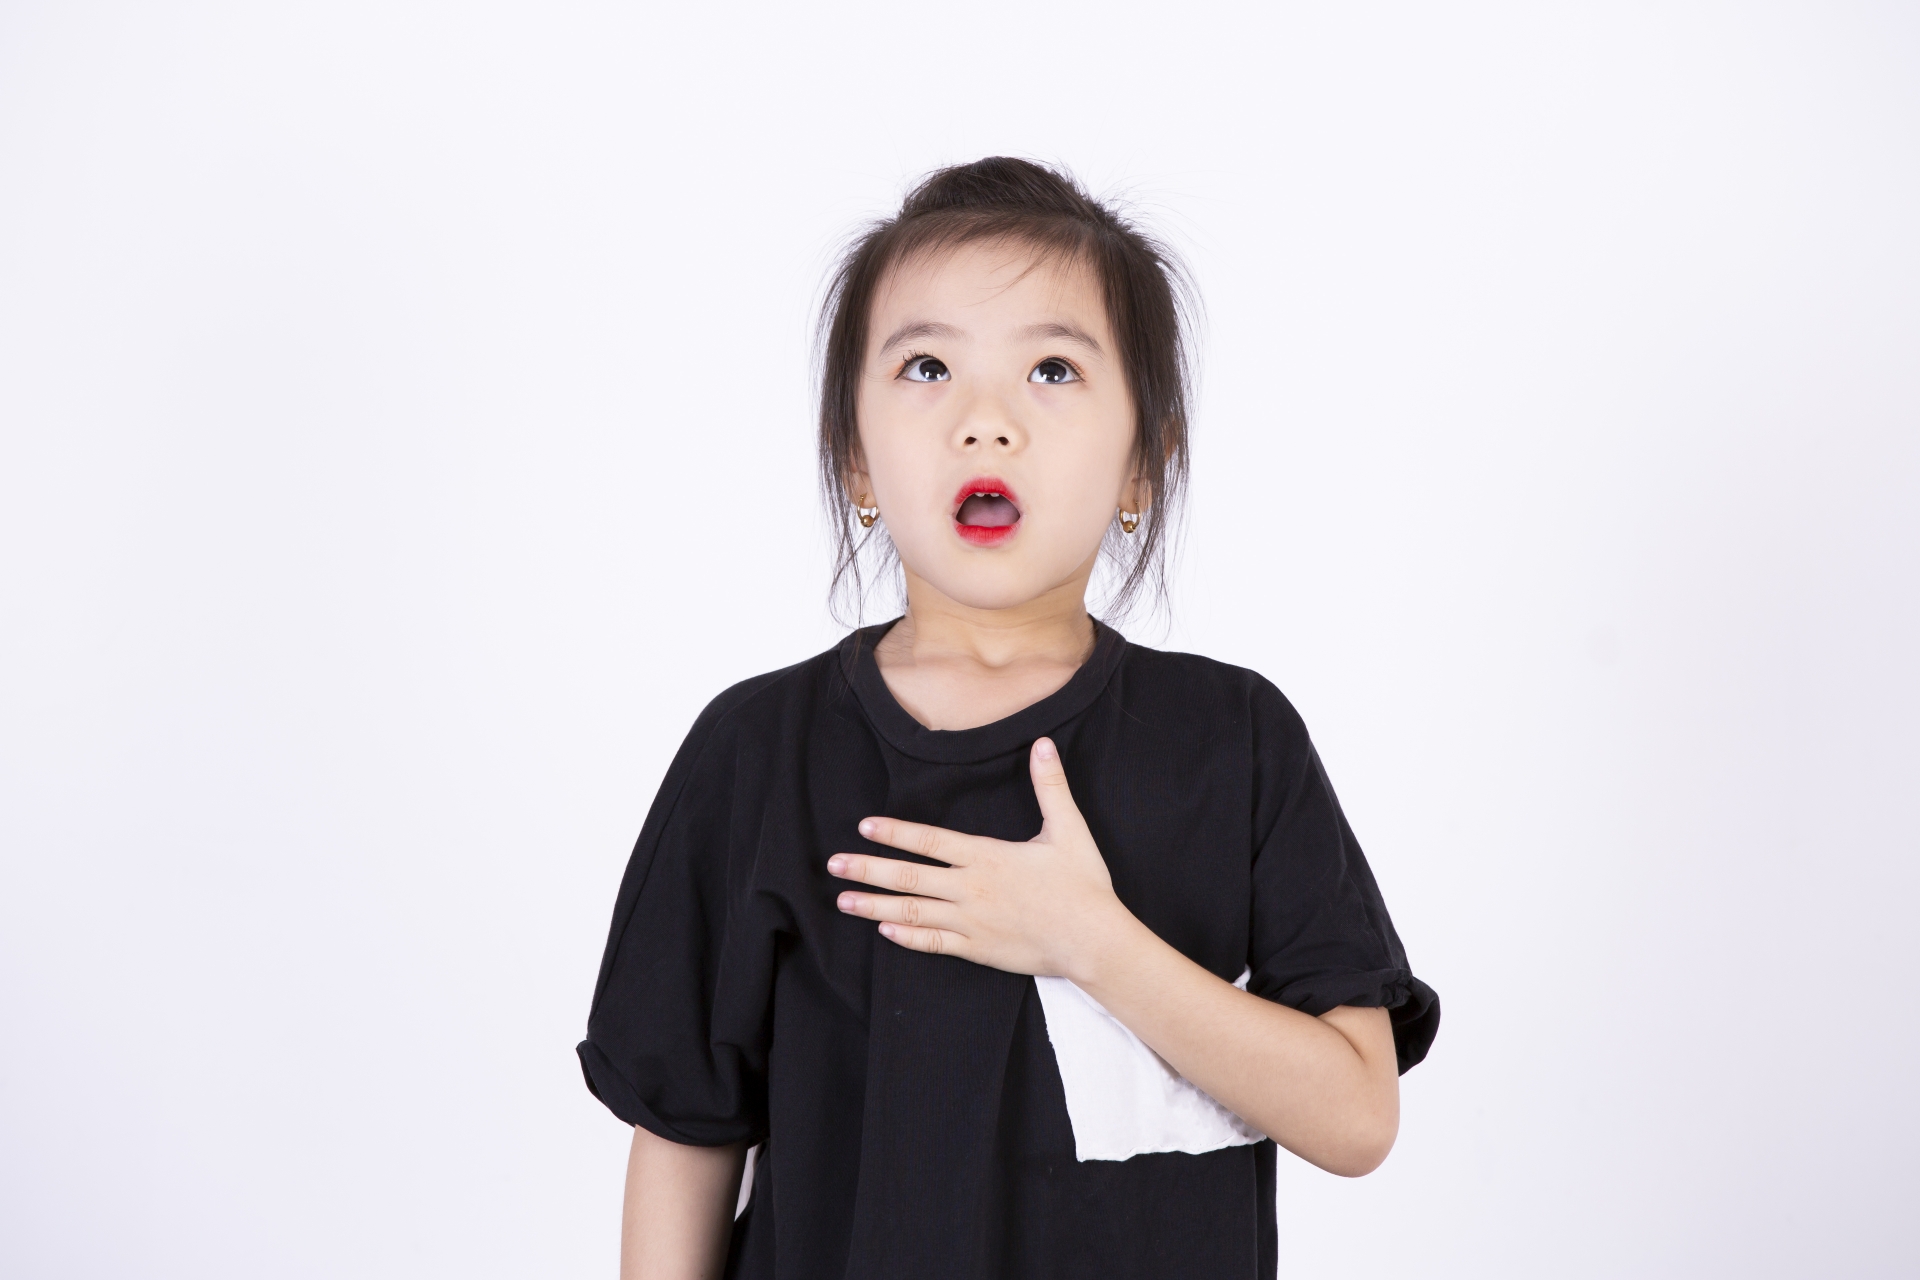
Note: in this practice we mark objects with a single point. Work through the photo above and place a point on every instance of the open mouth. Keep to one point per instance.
(985, 512)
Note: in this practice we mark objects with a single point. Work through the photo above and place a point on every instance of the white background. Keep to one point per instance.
(406, 431)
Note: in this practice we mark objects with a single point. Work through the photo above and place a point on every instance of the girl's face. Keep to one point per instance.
(996, 428)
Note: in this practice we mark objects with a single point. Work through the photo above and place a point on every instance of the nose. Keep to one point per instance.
(988, 424)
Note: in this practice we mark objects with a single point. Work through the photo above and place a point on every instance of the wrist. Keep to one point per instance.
(1107, 948)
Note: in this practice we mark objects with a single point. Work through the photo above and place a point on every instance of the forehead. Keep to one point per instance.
(984, 285)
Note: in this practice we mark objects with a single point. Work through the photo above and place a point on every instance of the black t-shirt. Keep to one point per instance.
(910, 1105)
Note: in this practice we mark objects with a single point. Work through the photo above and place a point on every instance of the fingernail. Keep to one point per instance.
(886, 930)
(1044, 749)
(836, 864)
(844, 902)
(866, 826)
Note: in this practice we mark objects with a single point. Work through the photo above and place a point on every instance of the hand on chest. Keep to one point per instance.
(1012, 856)
(1034, 905)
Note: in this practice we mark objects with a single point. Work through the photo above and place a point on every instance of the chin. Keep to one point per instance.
(996, 599)
(1005, 577)
(997, 587)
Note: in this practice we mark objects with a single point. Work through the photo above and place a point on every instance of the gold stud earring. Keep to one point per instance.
(866, 515)
(1129, 520)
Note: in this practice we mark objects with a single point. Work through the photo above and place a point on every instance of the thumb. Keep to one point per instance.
(1057, 809)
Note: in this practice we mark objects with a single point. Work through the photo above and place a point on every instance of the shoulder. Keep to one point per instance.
(772, 699)
(1209, 688)
(744, 723)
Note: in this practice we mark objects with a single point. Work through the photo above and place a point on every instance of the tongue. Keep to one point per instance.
(988, 511)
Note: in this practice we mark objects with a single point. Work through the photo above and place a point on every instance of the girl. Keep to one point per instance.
(1011, 946)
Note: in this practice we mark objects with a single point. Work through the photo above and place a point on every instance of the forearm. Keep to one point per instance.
(679, 1209)
(1327, 1088)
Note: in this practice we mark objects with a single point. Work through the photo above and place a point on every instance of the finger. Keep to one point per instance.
(891, 873)
(1050, 786)
(929, 912)
(939, 942)
(949, 847)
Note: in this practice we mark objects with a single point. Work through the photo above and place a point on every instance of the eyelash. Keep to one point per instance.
(907, 360)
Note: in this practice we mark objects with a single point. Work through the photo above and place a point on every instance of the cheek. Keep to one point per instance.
(1095, 458)
(904, 476)
(879, 437)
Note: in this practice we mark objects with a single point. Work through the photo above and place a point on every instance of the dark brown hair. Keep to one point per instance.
(1150, 307)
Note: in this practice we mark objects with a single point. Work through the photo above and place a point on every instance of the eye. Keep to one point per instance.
(1054, 369)
(925, 369)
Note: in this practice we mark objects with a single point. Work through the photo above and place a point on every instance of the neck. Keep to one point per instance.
(1052, 628)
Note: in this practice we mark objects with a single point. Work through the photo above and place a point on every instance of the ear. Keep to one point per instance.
(859, 486)
(1136, 494)
(855, 480)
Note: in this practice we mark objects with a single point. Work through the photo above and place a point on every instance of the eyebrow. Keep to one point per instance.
(918, 329)
(1056, 329)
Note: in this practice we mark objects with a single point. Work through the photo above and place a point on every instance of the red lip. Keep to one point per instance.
(984, 535)
(984, 484)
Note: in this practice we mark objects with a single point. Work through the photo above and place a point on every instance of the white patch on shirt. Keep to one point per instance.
(1122, 1097)
(745, 1197)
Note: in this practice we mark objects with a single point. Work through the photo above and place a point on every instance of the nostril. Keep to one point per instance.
(971, 440)
(1001, 439)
